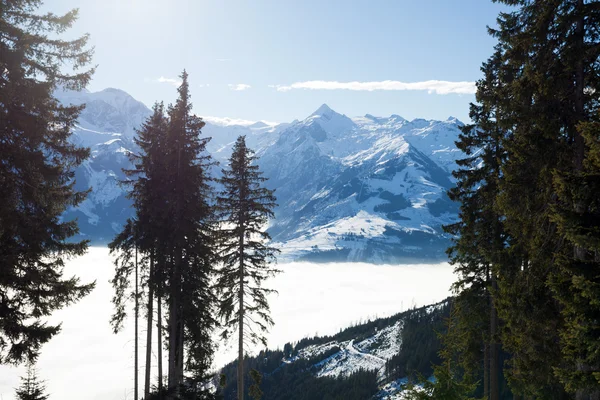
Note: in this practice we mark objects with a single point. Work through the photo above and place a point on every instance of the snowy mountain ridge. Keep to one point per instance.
(353, 189)
(387, 346)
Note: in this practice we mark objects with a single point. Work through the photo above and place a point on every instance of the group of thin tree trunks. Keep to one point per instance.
(183, 240)
(525, 323)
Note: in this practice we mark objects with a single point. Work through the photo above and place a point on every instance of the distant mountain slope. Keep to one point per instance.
(378, 355)
(353, 189)
(369, 189)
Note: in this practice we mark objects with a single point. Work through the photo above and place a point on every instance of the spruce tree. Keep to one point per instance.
(479, 243)
(543, 100)
(170, 188)
(144, 182)
(551, 52)
(244, 206)
(37, 163)
(31, 387)
(445, 387)
(190, 245)
(577, 284)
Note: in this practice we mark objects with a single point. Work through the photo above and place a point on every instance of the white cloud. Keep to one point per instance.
(172, 81)
(223, 59)
(238, 87)
(431, 86)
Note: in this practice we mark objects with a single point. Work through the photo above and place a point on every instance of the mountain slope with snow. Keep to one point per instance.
(369, 189)
(349, 189)
(387, 347)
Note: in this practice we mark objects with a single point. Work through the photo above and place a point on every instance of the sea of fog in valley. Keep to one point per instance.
(87, 361)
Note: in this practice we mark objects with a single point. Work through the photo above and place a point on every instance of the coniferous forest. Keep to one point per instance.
(192, 263)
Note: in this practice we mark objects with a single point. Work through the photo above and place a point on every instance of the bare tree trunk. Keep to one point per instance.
(486, 370)
(579, 83)
(172, 343)
(175, 326)
(486, 347)
(175, 314)
(135, 378)
(149, 328)
(180, 351)
(159, 334)
(494, 353)
(173, 334)
(241, 321)
(180, 324)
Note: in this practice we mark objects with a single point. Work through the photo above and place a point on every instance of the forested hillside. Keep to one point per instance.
(369, 359)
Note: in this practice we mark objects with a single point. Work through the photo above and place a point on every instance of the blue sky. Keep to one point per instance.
(262, 48)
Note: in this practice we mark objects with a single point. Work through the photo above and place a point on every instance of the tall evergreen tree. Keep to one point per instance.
(191, 244)
(144, 181)
(551, 52)
(244, 207)
(544, 105)
(31, 387)
(480, 239)
(170, 188)
(37, 164)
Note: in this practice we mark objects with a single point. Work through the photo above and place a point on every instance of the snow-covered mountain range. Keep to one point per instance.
(353, 189)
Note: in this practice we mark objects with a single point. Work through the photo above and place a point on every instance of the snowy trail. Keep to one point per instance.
(353, 350)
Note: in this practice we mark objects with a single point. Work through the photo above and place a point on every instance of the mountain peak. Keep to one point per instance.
(114, 90)
(454, 120)
(329, 120)
(323, 110)
(112, 93)
(397, 117)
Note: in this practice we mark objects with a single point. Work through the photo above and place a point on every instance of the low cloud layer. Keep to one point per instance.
(432, 86)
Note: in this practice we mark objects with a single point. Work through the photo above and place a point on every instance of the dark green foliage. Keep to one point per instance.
(420, 343)
(479, 242)
(304, 385)
(297, 380)
(173, 230)
(550, 53)
(578, 284)
(123, 248)
(191, 240)
(254, 390)
(36, 174)
(31, 387)
(528, 192)
(244, 207)
(444, 387)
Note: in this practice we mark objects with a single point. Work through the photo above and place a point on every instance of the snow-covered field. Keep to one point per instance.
(87, 361)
